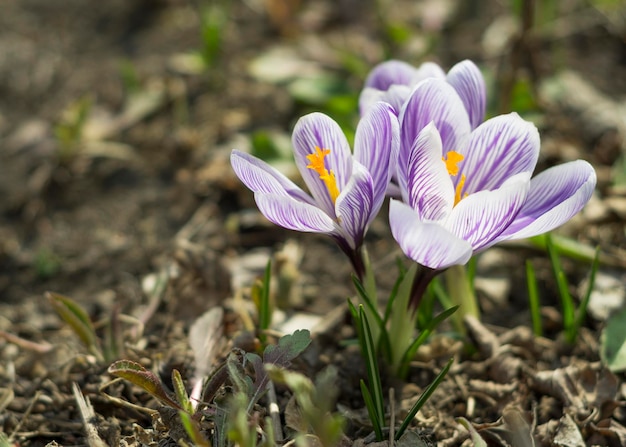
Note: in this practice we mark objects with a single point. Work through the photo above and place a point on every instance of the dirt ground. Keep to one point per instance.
(117, 192)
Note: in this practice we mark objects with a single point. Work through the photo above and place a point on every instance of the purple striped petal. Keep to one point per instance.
(429, 188)
(318, 130)
(355, 204)
(469, 83)
(429, 70)
(481, 217)
(394, 96)
(427, 243)
(293, 215)
(388, 73)
(433, 100)
(377, 140)
(555, 196)
(498, 149)
(258, 176)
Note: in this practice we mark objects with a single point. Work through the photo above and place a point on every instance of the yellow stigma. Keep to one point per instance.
(452, 159)
(316, 160)
(459, 188)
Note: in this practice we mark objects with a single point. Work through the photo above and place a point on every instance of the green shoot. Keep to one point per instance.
(147, 380)
(461, 292)
(581, 313)
(423, 398)
(262, 299)
(78, 320)
(533, 298)
(374, 397)
(213, 21)
(315, 403)
(423, 336)
(572, 318)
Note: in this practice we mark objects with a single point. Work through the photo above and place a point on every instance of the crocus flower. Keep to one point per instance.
(346, 189)
(465, 191)
(392, 82)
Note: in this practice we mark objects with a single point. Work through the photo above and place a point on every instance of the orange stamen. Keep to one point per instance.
(452, 160)
(316, 160)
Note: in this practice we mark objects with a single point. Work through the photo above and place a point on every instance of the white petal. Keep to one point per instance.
(354, 207)
(261, 177)
(481, 217)
(427, 243)
(429, 188)
(377, 140)
(498, 149)
(291, 214)
(469, 83)
(555, 196)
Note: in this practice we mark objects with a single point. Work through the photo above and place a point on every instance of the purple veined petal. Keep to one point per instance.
(429, 188)
(469, 83)
(555, 196)
(427, 243)
(428, 70)
(377, 139)
(318, 130)
(355, 205)
(391, 72)
(259, 176)
(481, 217)
(498, 149)
(394, 96)
(368, 97)
(433, 100)
(293, 215)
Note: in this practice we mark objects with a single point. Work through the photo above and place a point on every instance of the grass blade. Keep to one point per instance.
(533, 298)
(371, 410)
(423, 398)
(582, 309)
(567, 302)
(371, 362)
(422, 337)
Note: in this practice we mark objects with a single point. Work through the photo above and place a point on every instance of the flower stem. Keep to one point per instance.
(461, 293)
(423, 277)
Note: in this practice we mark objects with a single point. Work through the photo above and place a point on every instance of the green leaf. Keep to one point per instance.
(373, 371)
(423, 398)
(567, 247)
(288, 348)
(181, 392)
(192, 429)
(567, 302)
(78, 320)
(265, 305)
(140, 376)
(581, 313)
(613, 341)
(371, 410)
(533, 298)
(423, 336)
(372, 312)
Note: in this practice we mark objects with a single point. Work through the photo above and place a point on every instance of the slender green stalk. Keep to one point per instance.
(461, 293)
(422, 399)
(566, 300)
(533, 298)
(402, 321)
(373, 370)
(581, 313)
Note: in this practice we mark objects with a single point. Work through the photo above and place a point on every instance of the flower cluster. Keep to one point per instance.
(462, 184)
